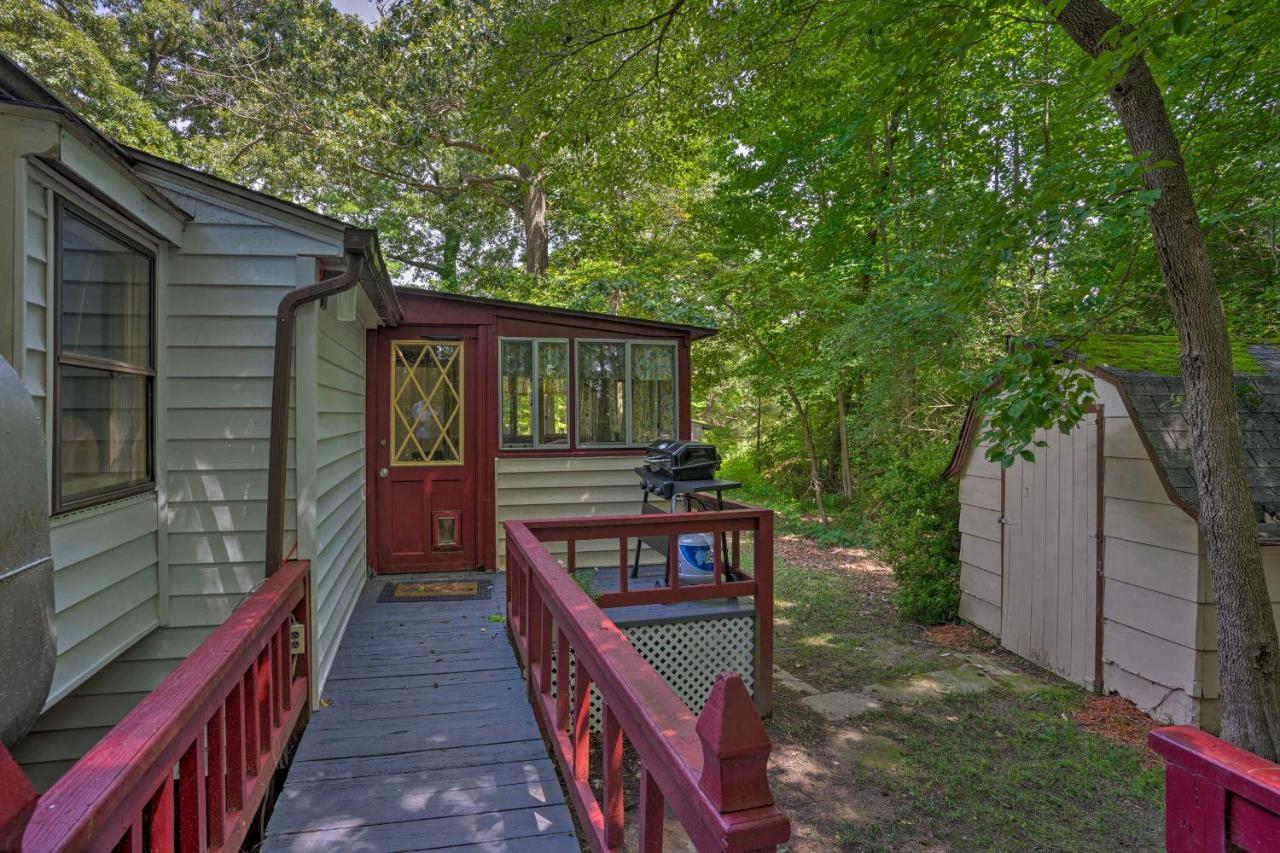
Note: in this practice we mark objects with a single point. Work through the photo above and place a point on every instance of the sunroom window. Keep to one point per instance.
(535, 393)
(626, 392)
(103, 387)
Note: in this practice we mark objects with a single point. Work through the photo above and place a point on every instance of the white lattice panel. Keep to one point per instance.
(689, 656)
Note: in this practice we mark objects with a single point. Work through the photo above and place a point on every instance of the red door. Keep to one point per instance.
(427, 450)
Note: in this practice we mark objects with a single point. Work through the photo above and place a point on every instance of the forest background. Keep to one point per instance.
(866, 197)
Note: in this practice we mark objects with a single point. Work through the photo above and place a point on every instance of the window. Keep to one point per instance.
(626, 392)
(534, 405)
(653, 392)
(105, 366)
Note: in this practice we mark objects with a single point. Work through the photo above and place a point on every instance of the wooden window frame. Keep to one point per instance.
(628, 441)
(106, 494)
(533, 386)
(461, 448)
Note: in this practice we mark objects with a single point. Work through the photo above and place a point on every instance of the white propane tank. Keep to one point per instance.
(695, 558)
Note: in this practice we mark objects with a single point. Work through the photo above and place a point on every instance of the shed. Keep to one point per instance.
(1088, 561)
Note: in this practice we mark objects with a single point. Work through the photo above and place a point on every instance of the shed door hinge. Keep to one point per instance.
(297, 638)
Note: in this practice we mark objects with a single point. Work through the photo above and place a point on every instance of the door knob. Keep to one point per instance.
(382, 472)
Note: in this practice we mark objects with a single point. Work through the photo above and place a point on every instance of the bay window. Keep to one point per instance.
(104, 365)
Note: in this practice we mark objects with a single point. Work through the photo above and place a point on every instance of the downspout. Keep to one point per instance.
(277, 459)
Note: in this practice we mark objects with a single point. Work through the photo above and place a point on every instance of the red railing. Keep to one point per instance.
(222, 720)
(710, 770)
(1218, 797)
(728, 528)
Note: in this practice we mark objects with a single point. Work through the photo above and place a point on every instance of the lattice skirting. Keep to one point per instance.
(689, 656)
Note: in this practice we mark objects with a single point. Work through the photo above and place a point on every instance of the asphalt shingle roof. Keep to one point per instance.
(1157, 407)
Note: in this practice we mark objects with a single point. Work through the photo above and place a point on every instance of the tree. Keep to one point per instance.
(1248, 649)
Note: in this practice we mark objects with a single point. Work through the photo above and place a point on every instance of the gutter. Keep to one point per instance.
(361, 250)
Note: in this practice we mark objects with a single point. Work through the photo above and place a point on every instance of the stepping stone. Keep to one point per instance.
(854, 746)
(790, 682)
(945, 682)
(841, 706)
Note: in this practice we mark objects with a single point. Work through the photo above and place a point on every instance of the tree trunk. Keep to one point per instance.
(1248, 650)
(842, 410)
(759, 419)
(811, 448)
(534, 214)
(449, 255)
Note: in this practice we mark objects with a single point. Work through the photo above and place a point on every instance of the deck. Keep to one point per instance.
(425, 739)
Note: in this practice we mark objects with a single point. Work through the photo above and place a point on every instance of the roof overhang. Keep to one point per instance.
(694, 332)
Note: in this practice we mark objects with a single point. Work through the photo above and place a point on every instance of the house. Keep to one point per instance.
(1088, 561)
(226, 381)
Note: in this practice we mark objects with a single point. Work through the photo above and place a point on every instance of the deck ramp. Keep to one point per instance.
(425, 739)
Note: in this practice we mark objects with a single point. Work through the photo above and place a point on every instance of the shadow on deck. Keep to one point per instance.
(425, 738)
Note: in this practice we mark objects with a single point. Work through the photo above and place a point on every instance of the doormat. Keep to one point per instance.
(455, 590)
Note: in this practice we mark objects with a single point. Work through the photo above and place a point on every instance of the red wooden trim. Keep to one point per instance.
(612, 771)
(1218, 797)
(100, 800)
(17, 801)
(672, 747)
(652, 814)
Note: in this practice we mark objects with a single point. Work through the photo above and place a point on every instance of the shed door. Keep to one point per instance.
(1051, 567)
(427, 452)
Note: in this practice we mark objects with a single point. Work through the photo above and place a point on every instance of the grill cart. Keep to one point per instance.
(680, 468)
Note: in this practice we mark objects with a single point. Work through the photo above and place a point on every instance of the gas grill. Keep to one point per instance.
(682, 460)
(674, 468)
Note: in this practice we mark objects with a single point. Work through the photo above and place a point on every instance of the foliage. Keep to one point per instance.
(912, 516)
(863, 219)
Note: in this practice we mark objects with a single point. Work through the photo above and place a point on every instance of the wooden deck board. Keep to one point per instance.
(426, 740)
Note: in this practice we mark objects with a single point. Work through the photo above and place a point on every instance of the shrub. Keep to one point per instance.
(911, 516)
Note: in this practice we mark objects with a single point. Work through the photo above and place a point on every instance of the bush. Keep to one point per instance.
(911, 516)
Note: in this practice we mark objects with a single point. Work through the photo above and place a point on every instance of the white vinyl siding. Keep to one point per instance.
(219, 295)
(566, 487)
(340, 563)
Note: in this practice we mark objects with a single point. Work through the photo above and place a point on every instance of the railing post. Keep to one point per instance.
(735, 748)
(562, 680)
(763, 572)
(17, 801)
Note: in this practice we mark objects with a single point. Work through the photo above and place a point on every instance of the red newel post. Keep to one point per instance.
(1218, 797)
(17, 801)
(735, 748)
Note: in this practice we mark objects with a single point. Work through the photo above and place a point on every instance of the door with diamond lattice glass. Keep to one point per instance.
(426, 454)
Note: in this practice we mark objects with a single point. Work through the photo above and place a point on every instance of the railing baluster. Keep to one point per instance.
(233, 708)
(717, 559)
(133, 837)
(544, 680)
(613, 793)
(673, 564)
(249, 693)
(191, 799)
(281, 675)
(562, 681)
(264, 702)
(160, 826)
(573, 556)
(581, 723)
(623, 554)
(216, 779)
(652, 808)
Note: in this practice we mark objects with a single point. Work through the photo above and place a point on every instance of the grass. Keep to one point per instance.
(1000, 770)
(1006, 771)
(834, 634)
